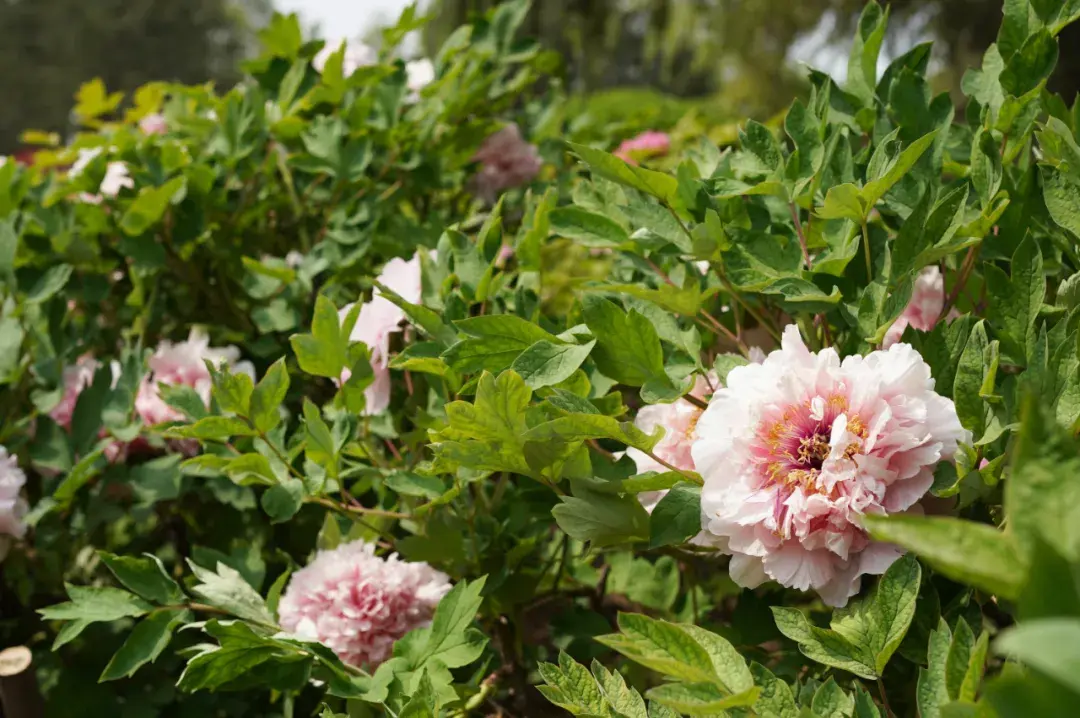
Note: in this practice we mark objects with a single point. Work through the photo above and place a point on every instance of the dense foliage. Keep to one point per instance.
(371, 388)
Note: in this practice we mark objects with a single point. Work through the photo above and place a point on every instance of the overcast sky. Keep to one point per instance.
(342, 18)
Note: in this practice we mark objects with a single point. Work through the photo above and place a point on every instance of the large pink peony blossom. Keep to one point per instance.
(506, 160)
(357, 55)
(794, 451)
(922, 312)
(358, 604)
(647, 144)
(12, 505)
(378, 320)
(183, 363)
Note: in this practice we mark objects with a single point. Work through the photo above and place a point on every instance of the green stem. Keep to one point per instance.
(866, 251)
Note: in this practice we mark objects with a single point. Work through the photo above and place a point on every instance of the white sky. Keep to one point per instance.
(338, 19)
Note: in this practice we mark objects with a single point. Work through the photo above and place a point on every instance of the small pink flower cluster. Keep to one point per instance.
(358, 604)
(506, 160)
(116, 177)
(647, 144)
(379, 319)
(179, 363)
(797, 448)
(154, 124)
(12, 505)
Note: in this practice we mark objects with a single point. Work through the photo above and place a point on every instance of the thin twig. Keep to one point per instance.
(884, 699)
(699, 403)
(961, 281)
(866, 251)
(799, 232)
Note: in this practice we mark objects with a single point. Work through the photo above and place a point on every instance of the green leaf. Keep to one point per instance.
(226, 589)
(1015, 300)
(449, 640)
(487, 434)
(623, 699)
(408, 483)
(268, 395)
(876, 188)
(700, 699)
(663, 187)
(628, 347)
(52, 281)
(677, 517)
(724, 363)
(774, 697)
(494, 342)
(91, 604)
(546, 364)
(588, 228)
(281, 502)
(323, 352)
(1061, 193)
(831, 701)
(932, 692)
(732, 673)
(150, 206)
(843, 201)
(578, 427)
(824, 646)
(571, 687)
(1051, 646)
(145, 576)
(972, 553)
(759, 141)
(663, 647)
(145, 643)
(970, 372)
(212, 427)
(862, 64)
(602, 519)
(1031, 65)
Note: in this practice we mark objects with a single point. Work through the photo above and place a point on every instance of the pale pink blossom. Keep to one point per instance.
(83, 159)
(679, 420)
(12, 505)
(922, 312)
(794, 451)
(359, 604)
(154, 124)
(116, 179)
(647, 144)
(378, 320)
(506, 160)
(76, 378)
(183, 363)
(419, 74)
(357, 55)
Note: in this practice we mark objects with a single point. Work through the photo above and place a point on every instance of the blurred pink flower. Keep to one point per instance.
(12, 505)
(183, 363)
(418, 75)
(357, 55)
(647, 144)
(922, 312)
(154, 124)
(679, 420)
(794, 451)
(76, 378)
(116, 179)
(358, 604)
(506, 160)
(380, 318)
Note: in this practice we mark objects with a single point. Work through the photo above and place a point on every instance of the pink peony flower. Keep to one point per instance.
(506, 160)
(183, 363)
(154, 124)
(358, 604)
(679, 420)
(794, 451)
(357, 55)
(12, 505)
(922, 312)
(647, 144)
(379, 318)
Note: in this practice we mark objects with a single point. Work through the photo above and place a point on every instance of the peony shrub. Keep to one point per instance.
(383, 387)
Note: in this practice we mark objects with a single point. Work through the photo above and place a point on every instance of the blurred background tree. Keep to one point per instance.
(745, 52)
(49, 47)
